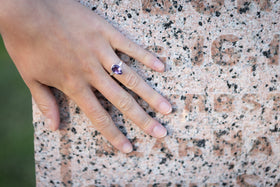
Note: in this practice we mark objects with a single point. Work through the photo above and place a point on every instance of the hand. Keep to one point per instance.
(65, 45)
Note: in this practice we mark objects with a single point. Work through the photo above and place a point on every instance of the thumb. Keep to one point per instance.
(47, 104)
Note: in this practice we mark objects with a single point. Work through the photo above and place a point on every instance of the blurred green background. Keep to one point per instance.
(17, 166)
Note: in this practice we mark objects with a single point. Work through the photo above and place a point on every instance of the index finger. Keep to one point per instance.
(127, 46)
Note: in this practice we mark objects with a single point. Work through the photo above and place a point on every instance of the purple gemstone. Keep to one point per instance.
(117, 69)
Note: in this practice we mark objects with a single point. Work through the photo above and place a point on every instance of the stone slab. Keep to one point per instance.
(223, 80)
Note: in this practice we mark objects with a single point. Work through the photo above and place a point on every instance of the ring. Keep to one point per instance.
(116, 69)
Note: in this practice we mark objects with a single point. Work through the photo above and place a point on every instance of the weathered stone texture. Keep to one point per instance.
(223, 80)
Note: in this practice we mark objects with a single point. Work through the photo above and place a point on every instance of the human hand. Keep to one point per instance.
(64, 45)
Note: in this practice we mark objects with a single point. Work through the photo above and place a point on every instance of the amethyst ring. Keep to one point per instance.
(117, 69)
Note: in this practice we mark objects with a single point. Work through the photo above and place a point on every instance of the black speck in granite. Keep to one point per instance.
(217, 13)
(183, 97)
(180, 8)
(148, 10)
(267, 54)
(85, 169)
(74, 130)
(221, 133)
(275, 129)
(244, 8)
(259, 14)
(199, 143)
(105, 6)
(231, 166)
(152, 114)
(167, 25)
(77, 110)
(123, 129)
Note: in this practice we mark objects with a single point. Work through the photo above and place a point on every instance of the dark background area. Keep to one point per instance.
(17, 166)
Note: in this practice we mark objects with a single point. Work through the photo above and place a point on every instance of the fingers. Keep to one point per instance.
(128, 106)
(133, 81)
(122, 43)
(101, 120)
(46, 102)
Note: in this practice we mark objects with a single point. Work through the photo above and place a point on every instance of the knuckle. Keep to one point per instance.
(146, 123)
(73, 87)
(131, 46)
(102, 126)
(126, 102)
(132, 81)
(117, 37)
(44, 108)
(88, 67)
(99, 117)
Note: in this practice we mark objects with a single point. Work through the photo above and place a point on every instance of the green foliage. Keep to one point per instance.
(17, 166)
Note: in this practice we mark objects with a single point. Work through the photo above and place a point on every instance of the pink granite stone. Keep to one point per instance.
(223, 80)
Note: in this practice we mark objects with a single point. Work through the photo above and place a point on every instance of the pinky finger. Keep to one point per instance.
(46, 102)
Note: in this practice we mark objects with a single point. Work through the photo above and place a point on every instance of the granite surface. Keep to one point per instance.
(223, 80)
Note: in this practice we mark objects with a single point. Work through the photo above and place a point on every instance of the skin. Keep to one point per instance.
(52, 47)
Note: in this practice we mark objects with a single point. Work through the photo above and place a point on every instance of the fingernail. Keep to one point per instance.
(159, 65)
(159, 131)
(165, 108)
(127, 148)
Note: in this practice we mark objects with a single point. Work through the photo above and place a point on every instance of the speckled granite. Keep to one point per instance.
(223, 80)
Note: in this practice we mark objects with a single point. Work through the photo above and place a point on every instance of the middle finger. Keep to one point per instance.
(128, 106)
